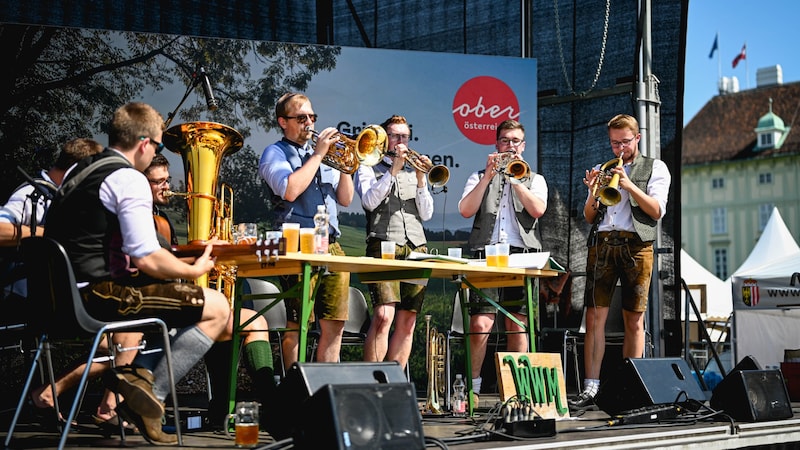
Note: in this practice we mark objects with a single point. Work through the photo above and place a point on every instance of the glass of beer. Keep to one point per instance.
(306, 240)
(245, 420)
(502, 254)
(491, 255)
(291, 231)
(387, 249)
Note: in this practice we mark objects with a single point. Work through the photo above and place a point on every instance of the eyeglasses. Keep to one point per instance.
(158, 145)
(400, 137)
(622, 143)
(516, 142)
(302, 118)
(160, 181)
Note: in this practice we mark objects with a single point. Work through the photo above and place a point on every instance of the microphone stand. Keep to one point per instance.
(38, 192)
(189, 90)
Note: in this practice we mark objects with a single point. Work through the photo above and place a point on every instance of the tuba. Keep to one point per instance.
(606, 187)
(517, 170)
(438, 175)
(435, 362)
(367, 148)
(202, 146)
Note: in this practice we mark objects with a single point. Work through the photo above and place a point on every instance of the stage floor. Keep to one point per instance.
(589, 430)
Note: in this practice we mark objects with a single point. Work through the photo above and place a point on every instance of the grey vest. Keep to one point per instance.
(396, 218)
(645, 226)
(485, 218)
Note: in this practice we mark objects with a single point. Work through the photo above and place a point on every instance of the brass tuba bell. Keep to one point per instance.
(367, 148)
(202, 146)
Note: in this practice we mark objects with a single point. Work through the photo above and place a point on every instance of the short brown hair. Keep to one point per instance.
(75, 150)
(131, 122)
(282, 106)
(158, 161)
(509, 124)
(395, 119)
(623, 121)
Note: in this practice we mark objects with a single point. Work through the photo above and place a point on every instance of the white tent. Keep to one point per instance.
(776, 241)
(766, 297)
(706, 289)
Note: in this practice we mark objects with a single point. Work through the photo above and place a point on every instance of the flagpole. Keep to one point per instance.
(746, 65)
(719, 61)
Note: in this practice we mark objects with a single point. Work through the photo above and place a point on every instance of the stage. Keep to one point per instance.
(589, 430)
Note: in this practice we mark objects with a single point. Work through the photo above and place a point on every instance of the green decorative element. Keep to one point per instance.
(539, 385)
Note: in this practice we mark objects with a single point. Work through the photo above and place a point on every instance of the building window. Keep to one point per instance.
(721, 263)
(764, 213)
(765, 178)
(765, 140)
(719, 222)
(717, 183)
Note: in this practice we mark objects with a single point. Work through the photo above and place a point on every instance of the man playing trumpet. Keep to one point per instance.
(620, 247)
(298, 182)
(503, 206)
(396, 201)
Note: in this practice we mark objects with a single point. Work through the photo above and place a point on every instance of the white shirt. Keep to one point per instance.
(373, 191)
(506, 216)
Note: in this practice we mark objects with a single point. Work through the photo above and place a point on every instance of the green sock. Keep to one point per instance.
(258, 357)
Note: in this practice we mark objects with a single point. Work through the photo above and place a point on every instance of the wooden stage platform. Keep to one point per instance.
(587, 431)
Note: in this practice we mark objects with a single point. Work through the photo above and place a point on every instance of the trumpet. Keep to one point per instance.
(367, 148)
(605, 188)
(438, 175)
(517, 170)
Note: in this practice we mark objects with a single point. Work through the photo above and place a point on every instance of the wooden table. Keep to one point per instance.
(371, 270)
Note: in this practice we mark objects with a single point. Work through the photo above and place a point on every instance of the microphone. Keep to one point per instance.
(210, 100)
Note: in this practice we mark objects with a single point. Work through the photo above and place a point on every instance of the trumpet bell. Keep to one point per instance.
(371, 145)
(367, 148)
(608, 193)
(438, 176)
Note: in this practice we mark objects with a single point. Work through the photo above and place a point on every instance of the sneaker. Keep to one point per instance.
(584, 400)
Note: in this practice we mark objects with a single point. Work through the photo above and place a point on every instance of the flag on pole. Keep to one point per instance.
(714, 47)
(740, 56)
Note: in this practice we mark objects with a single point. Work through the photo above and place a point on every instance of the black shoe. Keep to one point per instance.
(583, 401)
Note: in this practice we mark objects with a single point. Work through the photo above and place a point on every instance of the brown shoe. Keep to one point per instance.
(149, 427)
(136, 385)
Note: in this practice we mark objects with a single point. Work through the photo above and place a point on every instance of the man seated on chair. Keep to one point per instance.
(257, 350)
(103, 218)
(501, 206)
(17, 220)
(397, 201)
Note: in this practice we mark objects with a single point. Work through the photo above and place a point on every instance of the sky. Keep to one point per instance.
(769, 28)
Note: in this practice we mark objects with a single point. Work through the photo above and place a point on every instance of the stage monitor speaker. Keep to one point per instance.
(644, 382)
(365, 416)
(753, 396)
(302, 380)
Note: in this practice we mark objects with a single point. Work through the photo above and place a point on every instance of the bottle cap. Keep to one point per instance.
(458, 376)
(320, 208)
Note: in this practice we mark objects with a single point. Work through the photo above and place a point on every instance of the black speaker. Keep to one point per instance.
(643, 382)
(752, 395)
(366, 416)
(282, 417)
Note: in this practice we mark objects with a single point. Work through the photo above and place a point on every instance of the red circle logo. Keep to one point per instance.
(480, 104)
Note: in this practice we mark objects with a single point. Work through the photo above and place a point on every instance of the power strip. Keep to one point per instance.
(648, 414)
(527, 428)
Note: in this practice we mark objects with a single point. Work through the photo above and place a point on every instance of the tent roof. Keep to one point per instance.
(718, 293)
(775, 242)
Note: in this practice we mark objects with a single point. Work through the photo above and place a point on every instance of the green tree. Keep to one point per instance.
(66, 82)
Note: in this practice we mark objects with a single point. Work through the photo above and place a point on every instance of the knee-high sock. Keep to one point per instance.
(258, 359)
(188, 346)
